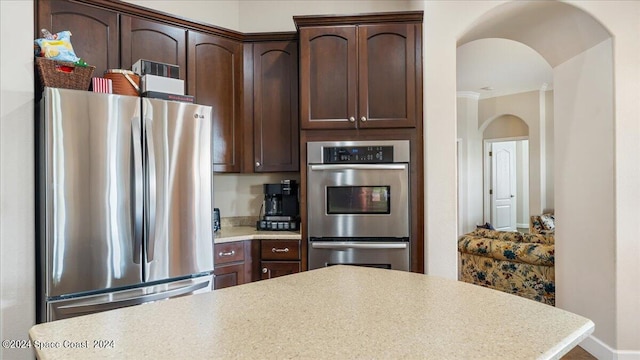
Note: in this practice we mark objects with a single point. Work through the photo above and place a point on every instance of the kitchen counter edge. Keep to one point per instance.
(241, 233)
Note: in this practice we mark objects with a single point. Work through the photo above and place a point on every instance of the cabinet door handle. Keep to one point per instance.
(363, 118)
(285, 250)
(264, 270)
(352, 119)
(230, 253)
(258, 163)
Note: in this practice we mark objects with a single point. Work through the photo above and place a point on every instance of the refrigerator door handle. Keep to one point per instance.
(151, 166)
(136, 138)
(103, 306)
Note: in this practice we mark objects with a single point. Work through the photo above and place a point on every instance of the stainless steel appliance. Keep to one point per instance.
(125, 201)
(358, 203)
(281, 209)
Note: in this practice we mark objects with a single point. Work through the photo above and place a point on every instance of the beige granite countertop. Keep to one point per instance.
(339, 312)
(239, 233)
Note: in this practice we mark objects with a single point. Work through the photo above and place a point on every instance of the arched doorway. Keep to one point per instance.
(580, 51)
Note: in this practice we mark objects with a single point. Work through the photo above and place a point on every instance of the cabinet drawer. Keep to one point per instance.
(228, 252)
(280, 250)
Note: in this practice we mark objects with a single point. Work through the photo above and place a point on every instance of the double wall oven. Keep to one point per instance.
(358, 203)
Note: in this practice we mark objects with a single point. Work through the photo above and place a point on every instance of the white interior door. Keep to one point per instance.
(503, 185)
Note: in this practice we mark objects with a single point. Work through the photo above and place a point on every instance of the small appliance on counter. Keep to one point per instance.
(281, 211)
(216, 220)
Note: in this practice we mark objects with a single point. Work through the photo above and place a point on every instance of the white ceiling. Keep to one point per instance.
(505, 66)
(493, 53)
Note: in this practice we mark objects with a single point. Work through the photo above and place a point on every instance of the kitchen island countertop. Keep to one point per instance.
(335, 312)
(240, 233)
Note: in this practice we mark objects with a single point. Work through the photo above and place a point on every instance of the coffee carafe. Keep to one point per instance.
(281, 211)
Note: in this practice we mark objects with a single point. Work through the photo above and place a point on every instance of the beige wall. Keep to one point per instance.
(222, 13)
(17, 223)
(445, 23)
(585, 274)
(242, 195)
(259, 15)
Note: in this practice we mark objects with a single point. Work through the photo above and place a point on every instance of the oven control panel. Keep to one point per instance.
(357, 154)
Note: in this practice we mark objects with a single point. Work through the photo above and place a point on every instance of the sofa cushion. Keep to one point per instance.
(548, 221)
(520, 252)
(536, 225)
(542, 238)
(497, 234)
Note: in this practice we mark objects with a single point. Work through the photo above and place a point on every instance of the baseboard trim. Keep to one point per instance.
(602, 351)
(522, 225)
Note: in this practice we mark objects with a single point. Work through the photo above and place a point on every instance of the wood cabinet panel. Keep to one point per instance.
(363, 75)
(387, 71)
(228, 275)
(273, 269)
(280, 250)
(95, 35)
(328, 77)
(275, 106)
(215, 79)
(150, 40)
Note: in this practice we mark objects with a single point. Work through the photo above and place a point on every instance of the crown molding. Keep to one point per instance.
(468, 94)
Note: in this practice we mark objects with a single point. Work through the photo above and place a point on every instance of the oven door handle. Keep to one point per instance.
(399, 166)
(351, 245)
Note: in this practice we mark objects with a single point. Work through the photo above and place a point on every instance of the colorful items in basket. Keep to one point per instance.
(56, 47)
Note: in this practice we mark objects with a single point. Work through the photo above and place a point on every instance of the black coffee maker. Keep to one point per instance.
(281, 209)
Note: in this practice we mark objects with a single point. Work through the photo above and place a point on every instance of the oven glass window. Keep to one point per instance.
(358, 200)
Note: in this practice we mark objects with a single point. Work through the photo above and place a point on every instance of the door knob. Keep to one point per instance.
(352, 119)
(363, 119)
(264, 270)
(258, 163)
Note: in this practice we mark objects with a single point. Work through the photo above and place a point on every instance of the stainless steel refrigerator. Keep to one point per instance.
(124, 201)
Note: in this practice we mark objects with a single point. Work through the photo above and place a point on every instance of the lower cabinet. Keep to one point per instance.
(235, 265)
(272, 269)
(231, 266)
(279, 257)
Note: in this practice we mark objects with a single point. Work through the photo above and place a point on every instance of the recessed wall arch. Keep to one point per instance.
(514, 126)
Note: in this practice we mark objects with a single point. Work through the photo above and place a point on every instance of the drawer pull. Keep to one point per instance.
(275, 250)
(230, 253)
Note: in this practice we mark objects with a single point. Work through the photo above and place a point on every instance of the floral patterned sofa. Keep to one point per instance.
(542, 224)
(516, 263)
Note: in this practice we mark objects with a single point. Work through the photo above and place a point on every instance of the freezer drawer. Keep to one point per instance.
(67, 308)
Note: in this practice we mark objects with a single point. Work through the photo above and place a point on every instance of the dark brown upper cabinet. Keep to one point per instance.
(94, 32)
(215, 79)
(150, 40)
(275, 106)
(360, 71)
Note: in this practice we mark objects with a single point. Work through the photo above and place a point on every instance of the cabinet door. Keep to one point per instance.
(275, 106)
(387, 76)
(150, 40)
(94, 32)
(273, 269)
(228, 275)
(215, 79)
(328, 77)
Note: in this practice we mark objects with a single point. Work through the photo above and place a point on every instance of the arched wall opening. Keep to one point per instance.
(580, 50)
